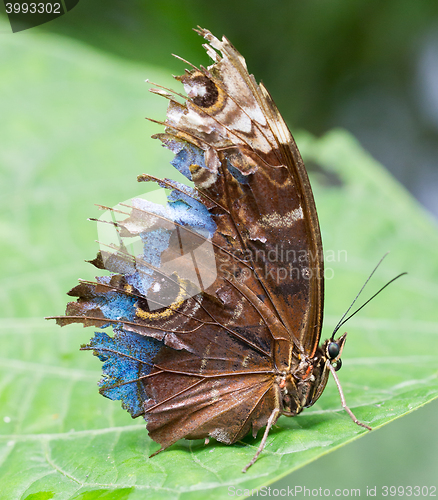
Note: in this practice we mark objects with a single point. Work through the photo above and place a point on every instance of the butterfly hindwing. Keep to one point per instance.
(227, 289)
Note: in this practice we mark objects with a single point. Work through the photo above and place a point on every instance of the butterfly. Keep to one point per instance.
(217, 313)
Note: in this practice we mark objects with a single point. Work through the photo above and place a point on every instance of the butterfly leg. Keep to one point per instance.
(271, 421)
(344, 404)
(156, 452)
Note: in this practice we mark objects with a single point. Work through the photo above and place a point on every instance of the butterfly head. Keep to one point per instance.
(333, 350)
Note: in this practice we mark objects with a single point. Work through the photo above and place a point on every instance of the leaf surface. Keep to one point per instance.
(74, 135)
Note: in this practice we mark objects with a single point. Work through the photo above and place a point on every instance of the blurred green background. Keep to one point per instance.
(369, 66)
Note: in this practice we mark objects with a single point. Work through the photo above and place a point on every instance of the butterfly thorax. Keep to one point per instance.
(300, 386)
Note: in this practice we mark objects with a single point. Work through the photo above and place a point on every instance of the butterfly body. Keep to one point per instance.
(226, 340)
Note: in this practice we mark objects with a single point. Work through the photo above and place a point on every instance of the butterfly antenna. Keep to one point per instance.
(344, 319)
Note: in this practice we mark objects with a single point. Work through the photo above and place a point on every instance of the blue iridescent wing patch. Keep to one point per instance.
(127, 359)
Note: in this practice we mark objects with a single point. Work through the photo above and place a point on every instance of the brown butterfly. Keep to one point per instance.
(217, 319)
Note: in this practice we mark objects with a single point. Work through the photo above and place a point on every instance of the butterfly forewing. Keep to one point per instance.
(225, 298)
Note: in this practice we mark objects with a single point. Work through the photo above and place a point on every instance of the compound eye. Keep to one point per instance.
(333, 350)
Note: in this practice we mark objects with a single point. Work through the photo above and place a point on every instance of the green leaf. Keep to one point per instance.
(73, 134)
